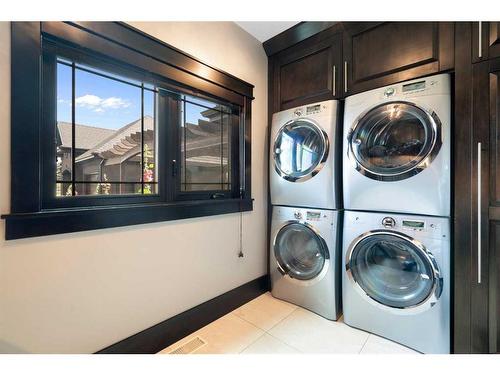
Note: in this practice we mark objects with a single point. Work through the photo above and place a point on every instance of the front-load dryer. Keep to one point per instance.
(396, 148)
(305, 259)
(396, 278)
(303, 162)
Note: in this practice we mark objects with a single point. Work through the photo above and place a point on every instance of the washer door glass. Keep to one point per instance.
(392, 270)
(299, 150)
(390, 140)
(300, 252)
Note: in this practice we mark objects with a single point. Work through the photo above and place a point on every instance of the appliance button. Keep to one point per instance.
(388, 222)
(298, 112)
(298, 215)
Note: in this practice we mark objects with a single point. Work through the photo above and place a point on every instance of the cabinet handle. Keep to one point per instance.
(345, 76)
(334, 79)
(479, 213)
(480, 37)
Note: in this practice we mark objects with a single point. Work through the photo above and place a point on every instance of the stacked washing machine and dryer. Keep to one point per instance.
(305, 244)
(391, 269)
(396, 234)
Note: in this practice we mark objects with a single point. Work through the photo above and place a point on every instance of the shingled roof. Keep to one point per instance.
(86, 136)
(120, 141)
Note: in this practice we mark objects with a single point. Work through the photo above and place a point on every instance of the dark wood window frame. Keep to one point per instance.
(134, 51)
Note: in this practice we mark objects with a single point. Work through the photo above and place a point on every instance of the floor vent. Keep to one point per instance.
(190, 346)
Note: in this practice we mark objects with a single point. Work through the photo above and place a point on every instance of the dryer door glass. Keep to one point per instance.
(300, 150)
(300, 252)
(394, 140)
(392, 270)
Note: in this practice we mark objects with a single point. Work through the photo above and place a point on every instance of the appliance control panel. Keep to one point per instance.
(413, 224)
(312, 109)
(308, 215)
(309, 110)
(421, 87)
(313, 215)
(410, 224)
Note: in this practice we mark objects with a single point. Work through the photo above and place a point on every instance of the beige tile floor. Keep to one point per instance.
(267, 325)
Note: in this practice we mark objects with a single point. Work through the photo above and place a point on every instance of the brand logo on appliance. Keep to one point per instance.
(389, 92)
(388, 222)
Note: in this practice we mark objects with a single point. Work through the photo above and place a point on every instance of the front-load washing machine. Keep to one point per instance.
(396, 278)
(303, 169)
(305, 258)
(396, 148)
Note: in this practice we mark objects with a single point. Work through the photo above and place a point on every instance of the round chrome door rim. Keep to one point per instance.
(319, 165)
(326, 264)
(434, 294)
(424, 162)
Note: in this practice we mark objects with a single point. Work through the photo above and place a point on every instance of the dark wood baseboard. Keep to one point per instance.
(163, 334)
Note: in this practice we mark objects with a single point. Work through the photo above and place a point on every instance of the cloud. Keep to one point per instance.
(114, 103)
(98, 104)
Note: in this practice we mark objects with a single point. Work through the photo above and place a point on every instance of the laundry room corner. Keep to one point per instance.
(81, 292)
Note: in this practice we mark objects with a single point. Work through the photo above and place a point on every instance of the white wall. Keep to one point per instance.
(78, 293)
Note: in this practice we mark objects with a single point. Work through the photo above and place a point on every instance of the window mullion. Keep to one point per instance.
(184, 161)
(73, 129)
(221, 151)
(142, 138)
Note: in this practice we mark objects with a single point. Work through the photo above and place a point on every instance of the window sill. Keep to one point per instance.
(48, 222)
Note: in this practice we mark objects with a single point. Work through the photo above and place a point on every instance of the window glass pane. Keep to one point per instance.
(226, 150)
(107, 133)
(115, 146)
(64, 136)
(204, 146)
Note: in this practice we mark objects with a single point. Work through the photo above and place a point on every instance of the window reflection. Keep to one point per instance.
(205, 150)
(299, 149)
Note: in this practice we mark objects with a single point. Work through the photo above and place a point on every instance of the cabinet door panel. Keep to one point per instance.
(382, 54)
(494, 286)
(494, 208)
(485, 40)
(486, 222)
(308, 72)
(392, 47)
(494, 39)
(307, 76)
(494, 137)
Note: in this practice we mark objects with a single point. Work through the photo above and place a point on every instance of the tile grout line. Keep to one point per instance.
(364, 343)
(295, 307)
(283, 342)
(286, 316)
(246, 321)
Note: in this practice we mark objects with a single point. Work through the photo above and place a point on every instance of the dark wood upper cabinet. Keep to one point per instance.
(379, 54)
(352, 57)
(485, 41)
(308, 72)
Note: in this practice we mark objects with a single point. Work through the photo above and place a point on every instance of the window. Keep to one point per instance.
(105, 133)
(116, 128)
(206, 145)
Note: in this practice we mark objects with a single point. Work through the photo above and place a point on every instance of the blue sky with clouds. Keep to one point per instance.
(99, 101)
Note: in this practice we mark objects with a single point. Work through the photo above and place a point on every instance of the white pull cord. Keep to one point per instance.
(240, 253)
